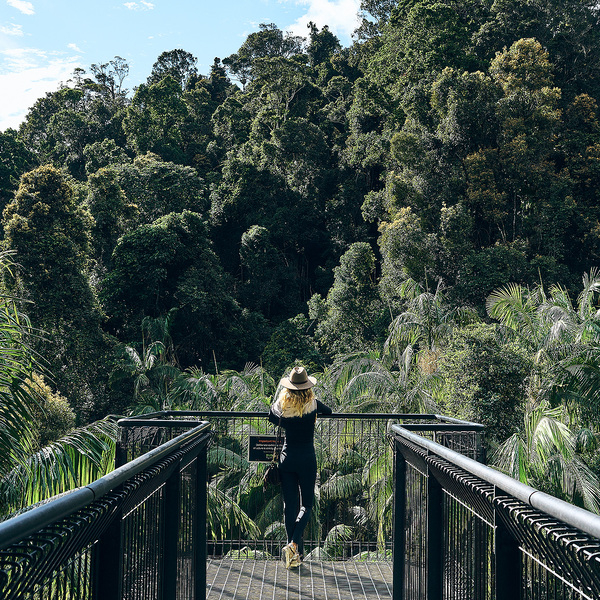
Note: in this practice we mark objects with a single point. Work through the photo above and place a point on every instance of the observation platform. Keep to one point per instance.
(405, 513)
(314, 580)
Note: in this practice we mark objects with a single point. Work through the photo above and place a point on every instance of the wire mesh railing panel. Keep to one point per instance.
(70, 580)
(354, 460)
(143, 537)
(352, 514)
(243, 518)
(467, 443)
(57, 561)
(496, 542)
(115, 546)
(415, 547)
(137, 441)
(557, 560)
(468, 550)
(186, 557)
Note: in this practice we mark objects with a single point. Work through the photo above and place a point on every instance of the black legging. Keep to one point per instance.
(298, 475)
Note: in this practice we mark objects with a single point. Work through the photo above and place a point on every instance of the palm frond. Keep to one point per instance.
(219, 457)
(585, 484)
(223, 514)
(270, 513)
(336, 539)
(338, 486)
(512, 458)
(76, 459)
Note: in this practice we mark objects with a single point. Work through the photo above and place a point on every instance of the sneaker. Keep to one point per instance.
(290, 551)
(296, 561)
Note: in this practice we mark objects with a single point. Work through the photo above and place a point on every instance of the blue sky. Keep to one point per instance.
(42, 41)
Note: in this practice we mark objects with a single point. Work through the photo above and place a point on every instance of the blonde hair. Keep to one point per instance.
(295, 401)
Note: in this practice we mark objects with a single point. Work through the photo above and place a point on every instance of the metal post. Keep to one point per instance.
(435, 538)
(508, 562)
(199, 527)
(120, 449)
(107, 578)
(399, 524)
(172, 519)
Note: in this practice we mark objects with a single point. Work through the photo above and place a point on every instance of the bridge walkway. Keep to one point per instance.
(228, 579)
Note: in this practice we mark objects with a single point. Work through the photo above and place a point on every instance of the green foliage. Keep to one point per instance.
(454, 141)
(178, 64)
(268, 42)
(547, 456)
(103, 154)
(407, 251)
(50, 234)
(158, 188)
(15, 159)
(170, 265)
(53, 417)
(33, 415)
(372, 382)
(79, 457)
(563, 336)
(427, 321)
(354, 316)
(248, 389)
(113, 214)
(485, 380)
(291, 343)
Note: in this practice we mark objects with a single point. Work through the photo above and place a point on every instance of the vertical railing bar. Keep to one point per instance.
(108, 565)
(434, 538)
(200, 524)
(171, 526)
(399, 523)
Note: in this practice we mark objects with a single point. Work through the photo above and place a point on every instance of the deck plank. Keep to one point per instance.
(269, 580)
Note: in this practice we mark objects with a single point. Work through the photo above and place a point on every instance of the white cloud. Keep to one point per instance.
(12, 29)
(74, 47)
(340, 15)
(29, 73)
(25, 7)
(143, 5)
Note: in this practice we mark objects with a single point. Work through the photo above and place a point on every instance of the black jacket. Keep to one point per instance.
(299, 429)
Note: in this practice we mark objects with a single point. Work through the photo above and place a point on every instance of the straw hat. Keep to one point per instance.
(298, 380)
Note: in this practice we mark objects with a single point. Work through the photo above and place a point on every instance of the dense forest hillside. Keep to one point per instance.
(421, 206)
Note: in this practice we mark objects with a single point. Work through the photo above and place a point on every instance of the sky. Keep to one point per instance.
(43, 41)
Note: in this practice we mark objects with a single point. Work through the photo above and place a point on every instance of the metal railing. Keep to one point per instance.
(352, 516)
(137, 533)
(458, 530)
(464, 531)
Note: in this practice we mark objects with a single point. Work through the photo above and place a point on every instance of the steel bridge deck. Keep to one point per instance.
(228, 579)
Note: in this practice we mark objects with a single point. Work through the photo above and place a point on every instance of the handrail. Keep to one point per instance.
(564, 511)
(25, 524)
(444, 422)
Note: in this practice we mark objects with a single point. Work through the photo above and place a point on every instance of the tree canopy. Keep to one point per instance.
(305, 201)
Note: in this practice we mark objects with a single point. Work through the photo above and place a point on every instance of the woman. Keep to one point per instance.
(296, 410)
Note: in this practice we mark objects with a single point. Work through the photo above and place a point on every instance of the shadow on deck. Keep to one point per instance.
(269, 579)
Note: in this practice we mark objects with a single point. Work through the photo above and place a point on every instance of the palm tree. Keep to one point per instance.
(427, 321)
(78, 458)
(564, 338)
(370, 382)
(153, 376)
(565, 341)
(27, 474)
(545, 455)
(248, 389)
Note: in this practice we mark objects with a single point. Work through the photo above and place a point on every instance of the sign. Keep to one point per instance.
(260, 447)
